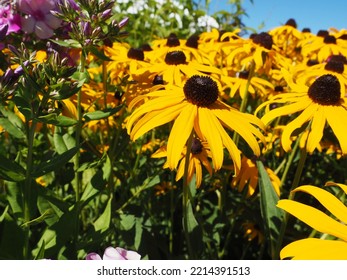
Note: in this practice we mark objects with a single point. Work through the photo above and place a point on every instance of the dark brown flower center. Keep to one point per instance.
(263, 39)
(306, 30)
(135, 53)
(158, 80)
(335, 66)
(196, 147)
(279, 88)
(325, 90)
(175, 58)
(291, 22)
(329, 39)
(193, 41)
(338, 57)
(172, 40)
(146, 47)
(322, 33)
(343, 37)
(201, 90)
(312, 62)
(243, 74)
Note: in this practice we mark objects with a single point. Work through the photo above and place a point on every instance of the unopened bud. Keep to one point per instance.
(3, 31)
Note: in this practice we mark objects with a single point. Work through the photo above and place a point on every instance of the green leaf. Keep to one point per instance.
(99, 54)
(69, 43)
(47, 214)
(54, 163)
(11, 170)
(271, 214)
(103, 222)
(58, 140)
(101, 114)
(57, 120)
(63, 91)
(41, 253)
(12, 123)
(2, 217)
(23, 106)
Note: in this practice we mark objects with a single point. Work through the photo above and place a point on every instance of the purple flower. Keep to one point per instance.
(38, 18)
(115, 254)
(8, 17)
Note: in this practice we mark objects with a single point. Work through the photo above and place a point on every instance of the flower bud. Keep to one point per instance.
(3, 31)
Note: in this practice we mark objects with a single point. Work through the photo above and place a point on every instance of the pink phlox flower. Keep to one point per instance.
(11, 19)
(38, 18)
(115, 254)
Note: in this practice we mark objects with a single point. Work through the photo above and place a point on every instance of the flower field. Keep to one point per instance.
(151, 130)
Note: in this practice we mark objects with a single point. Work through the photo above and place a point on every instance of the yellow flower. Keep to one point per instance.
(199, 154)
(252, 231)
(320, 103)
(195, 107)
(240, 84)
(314, 248)
(176, 69)
(249, 176)
(322, 46)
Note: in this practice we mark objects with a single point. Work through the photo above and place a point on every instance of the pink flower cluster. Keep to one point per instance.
(31, 16)
(115, 254)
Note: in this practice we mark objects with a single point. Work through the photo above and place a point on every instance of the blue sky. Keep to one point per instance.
(315, 14)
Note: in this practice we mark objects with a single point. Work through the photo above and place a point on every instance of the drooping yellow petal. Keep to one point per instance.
(328, 200)
(285, 110)
(336, 117)
(153, 105)
(208, 126)
(179, 134)
(316, 130)
(235, 122)
(305, 116)
(342, 186)
(154, 119)
(315, 249)
(314, 218)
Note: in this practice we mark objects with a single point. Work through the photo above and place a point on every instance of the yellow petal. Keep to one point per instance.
(328, 200)
(179, 134)
(336, 117)
(316, 130)
(315, 249)
(285, 110)
(154, 119)
(314, 218)
(342, 186)
(208, 126)
(305, 116)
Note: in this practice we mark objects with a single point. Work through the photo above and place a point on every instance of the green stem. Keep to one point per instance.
(27, 187)
(186, 196)
(244, 101)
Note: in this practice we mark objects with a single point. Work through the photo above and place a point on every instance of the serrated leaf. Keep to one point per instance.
(54, 119)
(11, 170)
(54, 163)
(101, 114)
(271, 214)
(103, 222)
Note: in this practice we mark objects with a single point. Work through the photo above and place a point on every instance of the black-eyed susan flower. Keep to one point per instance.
(248, 177)
(286, 38)
(242, 84)
(318, 248)
(199, 155)
(322, 46)
(320, 103)
(195, 107)
(176, 69)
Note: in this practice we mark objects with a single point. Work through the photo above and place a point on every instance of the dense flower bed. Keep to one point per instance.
(181, 147)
